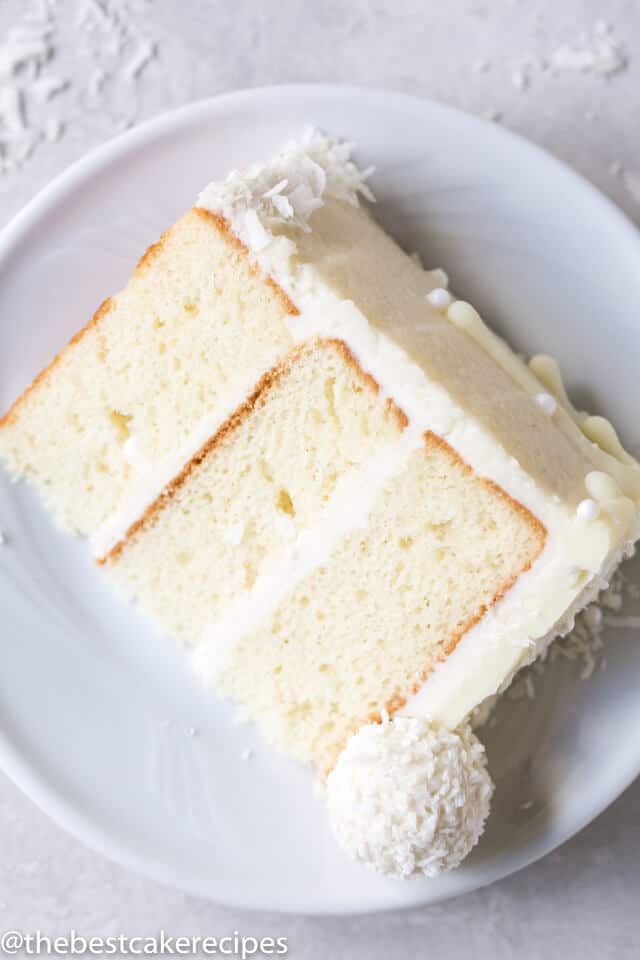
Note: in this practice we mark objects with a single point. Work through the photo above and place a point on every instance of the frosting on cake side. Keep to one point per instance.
(583, 544)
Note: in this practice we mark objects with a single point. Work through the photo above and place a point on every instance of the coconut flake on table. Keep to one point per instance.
(104, 33)
(481, 66)
(595, 53)
(142, 57)
(520, 80)
(631, 181)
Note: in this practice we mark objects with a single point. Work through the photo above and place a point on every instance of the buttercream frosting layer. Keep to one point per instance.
(301, 224)
(451, 375)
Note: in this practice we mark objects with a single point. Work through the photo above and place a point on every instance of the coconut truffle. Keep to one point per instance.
(407, 797)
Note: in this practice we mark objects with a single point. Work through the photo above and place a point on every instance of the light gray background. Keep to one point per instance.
(581, 901)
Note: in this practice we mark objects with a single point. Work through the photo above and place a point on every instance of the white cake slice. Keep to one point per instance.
(344, 494)
(156, 369)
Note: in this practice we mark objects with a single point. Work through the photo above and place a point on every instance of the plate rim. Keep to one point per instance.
(16, 766)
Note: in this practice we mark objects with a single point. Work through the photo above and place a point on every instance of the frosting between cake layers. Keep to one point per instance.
(268, 210)
(348, 509)
(154, 480)
(518, 626)
(578, 550)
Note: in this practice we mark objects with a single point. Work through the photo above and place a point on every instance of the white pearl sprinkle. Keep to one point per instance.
(547, 403)
(440, 298)
(588, 510)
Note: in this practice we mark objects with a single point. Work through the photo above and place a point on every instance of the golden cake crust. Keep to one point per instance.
(216, 222)
(539, 534)
(44, 374)
(256, 399)
(253, 401)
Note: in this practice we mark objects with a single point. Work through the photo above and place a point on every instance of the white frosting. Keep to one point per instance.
(260, 206)
(153, 481)
(470, 673)
(574, 552)
(438, 277)
(409, 798)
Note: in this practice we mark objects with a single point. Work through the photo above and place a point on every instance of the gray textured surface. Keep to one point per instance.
(582, 900)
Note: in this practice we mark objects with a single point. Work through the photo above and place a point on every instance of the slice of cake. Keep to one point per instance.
(353, 502)
(171, 355)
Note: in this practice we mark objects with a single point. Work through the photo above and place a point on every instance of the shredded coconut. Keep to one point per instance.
(144, 54)
(104, 34)
(408, 798)
(54, 129)
(584, 645)
(631, 180)
(287, 190)
(520, 80)
(592, 52)
(96, 83)
(597, 53)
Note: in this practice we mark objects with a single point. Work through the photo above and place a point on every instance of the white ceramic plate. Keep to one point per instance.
(102, 723)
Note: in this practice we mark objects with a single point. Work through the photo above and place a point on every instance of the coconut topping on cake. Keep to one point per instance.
(408, 797)
(287, 190)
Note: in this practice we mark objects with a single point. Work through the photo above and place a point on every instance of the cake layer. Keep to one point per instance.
(357, 283)
(328, 556)
(191, 334)
(453, 377)
(363, 629)
(254, 487)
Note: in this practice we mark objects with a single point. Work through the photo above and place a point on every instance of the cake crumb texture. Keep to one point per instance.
(362, 632)
(270, 469)
(154, 360)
